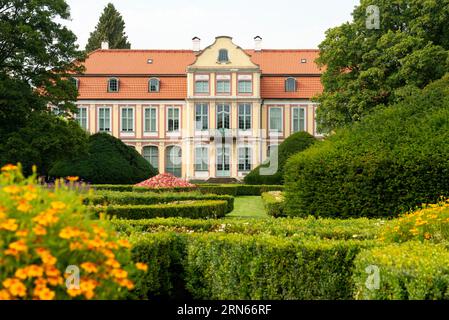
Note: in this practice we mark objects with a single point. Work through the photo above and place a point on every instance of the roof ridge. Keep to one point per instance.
(146, 50)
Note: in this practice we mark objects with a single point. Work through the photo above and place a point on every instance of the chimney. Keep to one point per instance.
(257, 43)
(105, 45)
(196, 44)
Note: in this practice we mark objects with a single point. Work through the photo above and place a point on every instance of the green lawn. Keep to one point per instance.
(248, 207)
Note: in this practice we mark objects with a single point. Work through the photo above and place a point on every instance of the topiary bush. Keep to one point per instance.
(389, 163)
(47, 240)
(297, 142)
(274, 203)
(109, 161)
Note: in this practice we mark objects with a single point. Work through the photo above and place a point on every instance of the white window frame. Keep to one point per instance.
(132, 132)
(207, 115)
(245, 116)
(203, 148)
(248, 155)
(147, 132)
(110, 118)
(109, 85)
(202, 78)
(293, 118)
(179, 119)
(272, 131)
(245, 78)
(151, 147)
(158, 85)
(87, 117)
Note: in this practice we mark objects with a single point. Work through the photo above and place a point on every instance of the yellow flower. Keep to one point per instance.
(89, 267)
(2, 212)
(112, 263)
(119, 273)
(9, 167)
(28, 196)
(9, 225)
(40, 231)
(15, 287)
(142, 266)
(46, 218)
(52, 272)
(4, 295)
(58, 205)
(414, 231)
(46, 256)
(19, 246)
(427, 236)
(124, 243)
(55, 281)
(72, 179)
(43, 293)
(125, 283)
(69, 232)
(11, 189)
(22, 233)
(24, 206)
(74, 292)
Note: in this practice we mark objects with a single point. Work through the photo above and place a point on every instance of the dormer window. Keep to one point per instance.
(290, 85)
(154, 85)
(223, 56)
(113, 85)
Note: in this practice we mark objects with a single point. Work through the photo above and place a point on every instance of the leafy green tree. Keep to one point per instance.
(111, 28)
(366, 68)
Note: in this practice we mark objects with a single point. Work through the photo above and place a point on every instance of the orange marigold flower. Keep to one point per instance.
(35, 271)
(9, 225)
(19, 246)
(55, 281)
(11, 189)
(427, 236)
(72, 179)
(119, 273)
(76, 246)
(124, 243)
(69, 232)
(9, 167)
(89, 267)
(4, 295)
(113, 263)
(24, 206)
(74, 292)
(125, 283)
(43, 293)
(39, 230)
(2, 212)
(142, 266)
(15, 287)
(22, 233)
(52, 271)
(46, 218)
(58, 205)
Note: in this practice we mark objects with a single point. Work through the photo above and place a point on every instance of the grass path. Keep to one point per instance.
(248, 207)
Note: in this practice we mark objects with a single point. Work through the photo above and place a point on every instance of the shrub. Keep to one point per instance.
(113, 187)
(138, 198)
(389, 163)
(297, 142)
(43, 232)
(109, 161)
(214, 266)
(409, 271)
(192, 209)
(274, 203)
(428, 224)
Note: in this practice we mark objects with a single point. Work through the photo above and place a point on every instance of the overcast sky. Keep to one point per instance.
(171, 24)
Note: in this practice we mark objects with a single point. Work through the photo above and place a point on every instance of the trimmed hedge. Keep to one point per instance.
(215, 266)
(224, 189)
(295, 143)
(388, 163)
(410, 271)
(274, 203)
(194, 209)
(138, 198)
(352, 229)
(108, 161)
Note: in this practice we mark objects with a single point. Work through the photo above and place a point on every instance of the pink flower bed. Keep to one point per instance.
(165, 180)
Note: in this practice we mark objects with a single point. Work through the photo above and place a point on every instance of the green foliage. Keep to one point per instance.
(109, 161)
(201, 209)
(274, 203)
(389, 163)
(410, 271)
(44, 140)
(368, 68)
(297, 142)
(111, 28)
(138, 198)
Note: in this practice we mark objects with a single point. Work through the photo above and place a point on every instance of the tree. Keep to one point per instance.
(37, 58)
(366, 68)
(109, 161)
(111, 28)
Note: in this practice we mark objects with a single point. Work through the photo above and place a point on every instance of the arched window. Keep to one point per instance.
(290, 85)
(113, 85)
(151, 154)
(153, 85)
(173, 161)
(223, 55)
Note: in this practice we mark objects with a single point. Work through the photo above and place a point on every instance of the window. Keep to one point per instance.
(245, 84)
(104, 119)
(173, 119)
(173, 161)
(127, 115)
(113, 85)
(223, 84)
(245, 159)
(151, 154)
(299, 119)
(201, 116)
(290, 85)
(275, 119)
(223, 116)
(153, 85)
(223, 56)
(245, 116)
(81, 117)
(150, 119)
(201, 84)
(201, 159)
(75, 82)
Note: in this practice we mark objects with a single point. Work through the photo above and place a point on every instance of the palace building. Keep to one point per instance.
(200, 114)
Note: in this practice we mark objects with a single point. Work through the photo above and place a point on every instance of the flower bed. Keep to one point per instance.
(165, 181)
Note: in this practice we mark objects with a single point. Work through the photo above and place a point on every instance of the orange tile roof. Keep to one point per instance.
(274, 88)
(286, 61)
(132, 88)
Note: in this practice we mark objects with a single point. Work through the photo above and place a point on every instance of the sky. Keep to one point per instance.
(171, 24)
